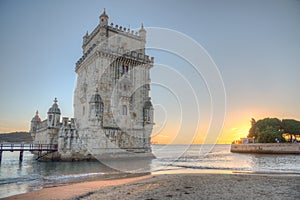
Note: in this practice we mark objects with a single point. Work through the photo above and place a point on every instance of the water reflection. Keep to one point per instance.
(18, 177)
(275, 163)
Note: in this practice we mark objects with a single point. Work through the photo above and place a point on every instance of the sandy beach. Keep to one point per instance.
(178, 186)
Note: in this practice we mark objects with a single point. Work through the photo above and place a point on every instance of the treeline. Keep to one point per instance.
(271, 130)
(16, 137)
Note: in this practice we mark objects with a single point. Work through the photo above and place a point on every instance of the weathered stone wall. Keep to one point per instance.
(270, 148)
(115, 65)
(46, 136)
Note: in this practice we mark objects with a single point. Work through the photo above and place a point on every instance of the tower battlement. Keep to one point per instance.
(114, 28)
(115, 41)
(125, 31)
(120, 52)
(105, 33)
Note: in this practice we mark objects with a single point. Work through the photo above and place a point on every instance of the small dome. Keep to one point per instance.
(148, 104)
(54, 109)
(36, 118)
(104, 14)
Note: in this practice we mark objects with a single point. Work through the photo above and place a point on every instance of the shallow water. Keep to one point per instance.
(16, 177)
(219, 157)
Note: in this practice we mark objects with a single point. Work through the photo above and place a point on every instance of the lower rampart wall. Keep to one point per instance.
(268, 148)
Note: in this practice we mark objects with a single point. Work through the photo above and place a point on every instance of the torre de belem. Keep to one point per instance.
(113, 113)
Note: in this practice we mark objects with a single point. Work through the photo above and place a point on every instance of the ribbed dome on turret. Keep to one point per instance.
(104, 19)
(104, 15)
(36, 118)
(54, 109)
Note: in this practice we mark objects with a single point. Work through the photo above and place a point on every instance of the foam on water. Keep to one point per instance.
(72, 176)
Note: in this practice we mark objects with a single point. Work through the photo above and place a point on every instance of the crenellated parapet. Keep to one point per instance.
(85, 55)
(88, 37)
(118, 53)
(125, 31)
(43, 125)
(68, 135)
(138, 35)
(113, 37)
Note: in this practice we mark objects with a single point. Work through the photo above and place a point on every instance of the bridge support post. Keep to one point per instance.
(0, 156)
(21, 156)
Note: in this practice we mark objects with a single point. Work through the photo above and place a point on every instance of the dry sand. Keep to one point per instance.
(178, 186)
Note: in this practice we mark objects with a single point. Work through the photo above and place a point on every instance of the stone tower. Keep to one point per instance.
(111, 99)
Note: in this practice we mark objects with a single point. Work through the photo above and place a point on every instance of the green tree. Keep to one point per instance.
(257, 127)
(268, 129)
(291, 127)
(270, 134)
(252, 130)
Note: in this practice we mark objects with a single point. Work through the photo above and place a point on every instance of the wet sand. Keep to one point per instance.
(74, 190)
(178, 186)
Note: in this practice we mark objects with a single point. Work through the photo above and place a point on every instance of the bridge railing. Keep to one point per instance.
(27, 147)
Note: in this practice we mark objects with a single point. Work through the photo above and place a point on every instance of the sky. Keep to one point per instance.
(253, 48)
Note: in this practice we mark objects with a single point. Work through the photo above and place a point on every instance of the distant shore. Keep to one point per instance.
(178, 186)
(15, 137)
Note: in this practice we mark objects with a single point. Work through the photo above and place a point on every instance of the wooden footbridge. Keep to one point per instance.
(39, 148)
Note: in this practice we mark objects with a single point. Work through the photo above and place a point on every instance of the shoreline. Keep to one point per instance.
(74, 189)
(155, 182)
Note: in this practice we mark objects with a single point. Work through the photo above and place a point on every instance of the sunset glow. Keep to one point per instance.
(252, 55)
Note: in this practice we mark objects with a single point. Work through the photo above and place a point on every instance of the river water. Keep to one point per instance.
(21, 177)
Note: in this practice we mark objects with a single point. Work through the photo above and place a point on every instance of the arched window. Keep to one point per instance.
(148, 110)
(124, 110)
(96, 106)
(147, 115)
(50, 118)
(99, 109)
(123, 69)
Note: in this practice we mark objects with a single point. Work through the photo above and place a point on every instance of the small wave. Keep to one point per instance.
(209, 168)
(72, 176)
(19, 180)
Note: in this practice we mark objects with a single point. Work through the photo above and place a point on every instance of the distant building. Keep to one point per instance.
(244, 141)
(113, 112)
